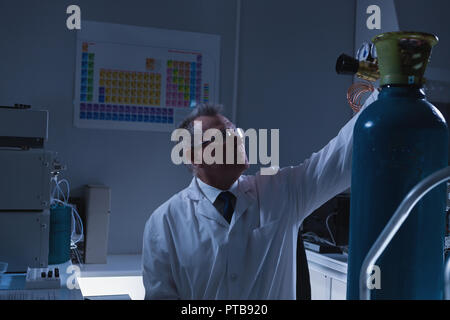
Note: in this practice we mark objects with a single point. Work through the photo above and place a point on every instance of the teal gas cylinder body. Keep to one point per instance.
(398, 141)
(60, 233)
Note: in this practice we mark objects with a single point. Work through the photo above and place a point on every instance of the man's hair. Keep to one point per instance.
(202, 109)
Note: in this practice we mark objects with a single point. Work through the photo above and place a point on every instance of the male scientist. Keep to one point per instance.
(234, 236)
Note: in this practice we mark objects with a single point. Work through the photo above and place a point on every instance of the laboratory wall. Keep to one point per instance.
(433, 17)
(37, 66)
(428, 16)
(286, 81)
(414, 15)
(287, 72)
(388, 15)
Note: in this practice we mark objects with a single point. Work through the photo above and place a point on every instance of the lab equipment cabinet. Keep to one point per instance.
(328, 275)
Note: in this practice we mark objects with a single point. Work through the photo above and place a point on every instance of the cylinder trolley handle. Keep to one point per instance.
(394, 224)
(447, 279)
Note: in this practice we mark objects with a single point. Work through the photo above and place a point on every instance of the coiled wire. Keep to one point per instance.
(356, 92)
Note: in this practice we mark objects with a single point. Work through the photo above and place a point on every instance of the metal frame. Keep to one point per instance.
(394, 224)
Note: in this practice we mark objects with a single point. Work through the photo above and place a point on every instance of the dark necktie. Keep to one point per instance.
(225, 204)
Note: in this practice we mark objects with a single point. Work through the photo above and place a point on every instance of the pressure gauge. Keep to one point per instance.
(373, 51)
(363, 52)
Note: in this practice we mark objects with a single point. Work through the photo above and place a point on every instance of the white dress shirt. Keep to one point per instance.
(191, 252)
(212, 193)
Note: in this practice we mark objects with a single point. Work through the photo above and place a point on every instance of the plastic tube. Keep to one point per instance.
(59, 192)
(394, 224)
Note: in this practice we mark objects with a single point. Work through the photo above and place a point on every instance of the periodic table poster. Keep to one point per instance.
(137, 78)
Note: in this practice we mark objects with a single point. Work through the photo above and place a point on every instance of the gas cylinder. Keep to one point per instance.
(399, 140)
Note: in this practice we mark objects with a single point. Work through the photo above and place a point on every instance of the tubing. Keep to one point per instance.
(394, 224)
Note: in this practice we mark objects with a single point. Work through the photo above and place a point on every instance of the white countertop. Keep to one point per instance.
(121, 275)
(118, 265)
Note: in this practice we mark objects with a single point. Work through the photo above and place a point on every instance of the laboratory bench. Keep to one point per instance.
(123, 275)
(121, 278)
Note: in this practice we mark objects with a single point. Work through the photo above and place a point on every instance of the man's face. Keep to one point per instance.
(220, 122)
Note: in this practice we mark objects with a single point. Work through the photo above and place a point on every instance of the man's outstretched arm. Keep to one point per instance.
(320, 177)
(327, 172)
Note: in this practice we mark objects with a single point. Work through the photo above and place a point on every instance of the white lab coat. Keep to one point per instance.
(191, 252)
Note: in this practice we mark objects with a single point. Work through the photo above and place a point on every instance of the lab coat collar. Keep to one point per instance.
(212, 193)
(194, 193)
(205, 208)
